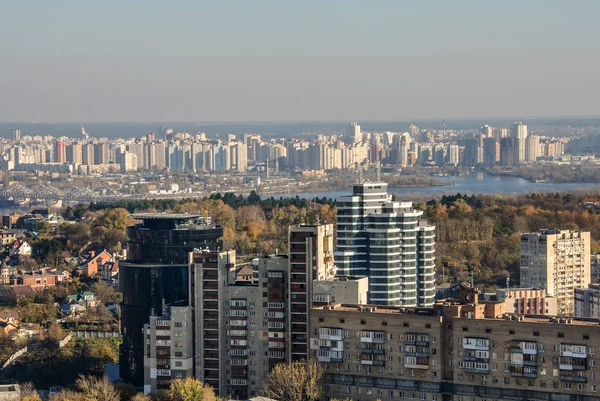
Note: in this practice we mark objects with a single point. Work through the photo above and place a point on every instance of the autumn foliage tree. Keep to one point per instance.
(295, 381)
(188, 389)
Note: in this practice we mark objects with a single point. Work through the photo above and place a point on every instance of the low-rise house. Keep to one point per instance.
(20, 248)
(37, 279)
(73, 308)
(6, 270)
(92, 262)
(62, 276)
(9, 320)
(7, 236)
(109, 272)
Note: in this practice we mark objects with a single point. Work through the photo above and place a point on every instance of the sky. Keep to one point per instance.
(147, 60)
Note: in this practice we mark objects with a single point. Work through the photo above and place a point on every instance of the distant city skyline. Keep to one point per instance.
(310, 61)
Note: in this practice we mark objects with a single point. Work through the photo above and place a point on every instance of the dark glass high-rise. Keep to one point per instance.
(155, 274)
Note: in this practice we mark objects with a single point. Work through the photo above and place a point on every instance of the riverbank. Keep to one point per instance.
(476, 183)
(555, 174)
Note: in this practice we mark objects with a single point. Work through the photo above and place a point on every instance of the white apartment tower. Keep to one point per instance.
(387, 242)
(519, 132)
(557, 261)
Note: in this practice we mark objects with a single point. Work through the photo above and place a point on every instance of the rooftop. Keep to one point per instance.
(377, 309)
(164, 216)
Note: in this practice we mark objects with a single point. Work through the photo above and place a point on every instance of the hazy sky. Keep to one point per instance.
(297, 60)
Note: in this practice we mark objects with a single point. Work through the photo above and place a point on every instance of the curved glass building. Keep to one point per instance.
(155, 274)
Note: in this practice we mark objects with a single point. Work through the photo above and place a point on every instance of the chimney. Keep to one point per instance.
(92, 254)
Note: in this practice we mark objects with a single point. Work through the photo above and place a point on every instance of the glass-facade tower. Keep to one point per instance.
(156, 273)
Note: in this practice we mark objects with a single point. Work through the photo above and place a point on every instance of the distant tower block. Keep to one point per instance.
(277, 165)
(267, 168)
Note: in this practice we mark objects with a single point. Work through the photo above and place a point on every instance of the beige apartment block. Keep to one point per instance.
(557, 261)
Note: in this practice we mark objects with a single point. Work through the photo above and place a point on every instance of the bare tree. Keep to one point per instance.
(295, 381)
(89, 388)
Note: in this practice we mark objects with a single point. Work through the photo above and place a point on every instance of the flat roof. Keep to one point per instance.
(378, 309)
(164, 216)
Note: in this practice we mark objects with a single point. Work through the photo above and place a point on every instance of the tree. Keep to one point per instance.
(100, 389)
(140, 397)
(189, 389)
(55, 332)
(89, 388)
(106, 293)
(295, 381)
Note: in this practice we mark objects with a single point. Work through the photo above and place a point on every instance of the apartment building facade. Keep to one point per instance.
(461, 349)
(169, 350)
(557, 261)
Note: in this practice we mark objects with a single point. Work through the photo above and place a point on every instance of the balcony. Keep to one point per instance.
(372, 337)
(372, 351)
(477, 370)
(420, 354)
(416, 366)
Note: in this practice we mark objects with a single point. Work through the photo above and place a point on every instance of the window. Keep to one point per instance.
(384, 323)
(407, 325)
(507, 380)
(511, 332)
(488, 330)
(561, 335)
(536, 333)
(363, 322)
(321, 320)
(178, 324)
(586, 337)
(427, 325)
(465, 328)
(342, 321)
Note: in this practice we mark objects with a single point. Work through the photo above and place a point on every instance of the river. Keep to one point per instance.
(478, 183)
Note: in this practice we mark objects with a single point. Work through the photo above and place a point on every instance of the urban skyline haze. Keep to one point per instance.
(309, 61)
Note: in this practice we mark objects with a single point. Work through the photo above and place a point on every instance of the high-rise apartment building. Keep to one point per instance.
(129, 162)
(74, 153)
(240, 327)
(487, 131)
(587, 302)
(244, 328)
(169, 353)
(87, 154)
(532, 148)
(60, 152)
(491, 152)
(16, 134)
(507, 151)
(353, 134)
(387, 242)
(311, 258)
(595, 267)
(454, 154)
(557, 261)
(156, 273)
(519, 132)
(101, 153)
